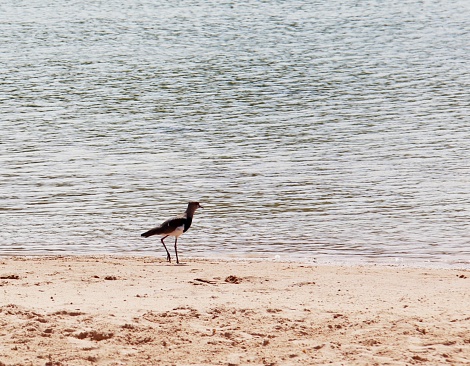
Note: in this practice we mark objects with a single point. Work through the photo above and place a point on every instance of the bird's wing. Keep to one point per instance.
(166, 228)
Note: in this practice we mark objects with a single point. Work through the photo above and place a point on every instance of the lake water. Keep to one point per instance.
(315, 130)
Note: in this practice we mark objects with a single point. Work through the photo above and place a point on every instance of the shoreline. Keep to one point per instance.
(139, 310)
(322, 260)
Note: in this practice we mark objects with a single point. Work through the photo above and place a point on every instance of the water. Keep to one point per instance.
(325, 130)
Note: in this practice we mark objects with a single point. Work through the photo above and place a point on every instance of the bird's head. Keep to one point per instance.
(193, 206)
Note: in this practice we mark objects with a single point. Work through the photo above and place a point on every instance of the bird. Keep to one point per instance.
(174, 227)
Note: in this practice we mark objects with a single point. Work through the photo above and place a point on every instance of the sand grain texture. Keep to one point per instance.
(142, 311)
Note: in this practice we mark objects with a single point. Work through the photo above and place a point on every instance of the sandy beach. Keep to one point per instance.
(105, 310)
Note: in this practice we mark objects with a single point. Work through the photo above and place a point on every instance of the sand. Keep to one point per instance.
(84, 310)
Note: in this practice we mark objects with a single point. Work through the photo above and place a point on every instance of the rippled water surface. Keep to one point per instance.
(307, 129)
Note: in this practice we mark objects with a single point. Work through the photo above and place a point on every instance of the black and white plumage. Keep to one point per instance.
(174, 227)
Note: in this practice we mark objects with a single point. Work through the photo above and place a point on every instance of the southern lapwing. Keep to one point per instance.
(174, 227)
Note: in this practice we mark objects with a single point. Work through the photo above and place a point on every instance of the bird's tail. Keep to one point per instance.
(151, 232)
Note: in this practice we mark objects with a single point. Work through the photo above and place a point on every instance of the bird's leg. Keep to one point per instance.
(168, 258)
(176, 251)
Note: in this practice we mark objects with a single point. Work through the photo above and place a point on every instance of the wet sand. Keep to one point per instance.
(105, 310)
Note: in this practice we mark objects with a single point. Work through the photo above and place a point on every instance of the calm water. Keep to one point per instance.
(328, 130)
